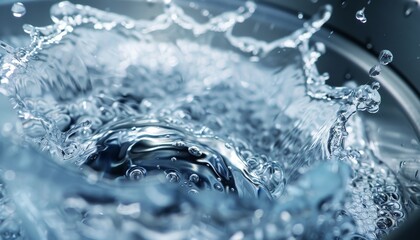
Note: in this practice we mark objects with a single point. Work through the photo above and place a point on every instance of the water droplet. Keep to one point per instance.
(360, 15)
(18, 9)
(218, 187)
(385, 57)
(173, 159)
(172, 176)
(375, 70)
(195, 151)
(136, 173)
(300, 15)
(194, 178)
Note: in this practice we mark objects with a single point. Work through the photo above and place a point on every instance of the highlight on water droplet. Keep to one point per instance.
(360, 15)
(385, 57)
(18, 9)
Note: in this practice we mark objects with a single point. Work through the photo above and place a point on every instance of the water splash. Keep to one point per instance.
(199, 143)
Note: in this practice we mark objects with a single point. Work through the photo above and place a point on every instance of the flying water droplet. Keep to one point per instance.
(375, 70)
(360, 15)
(18, 9)
(385, 57)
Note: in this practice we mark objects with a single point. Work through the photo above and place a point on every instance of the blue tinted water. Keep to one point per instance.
(174, 128)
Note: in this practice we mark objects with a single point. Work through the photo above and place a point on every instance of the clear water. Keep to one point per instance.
(179, 127)
(18, 9)
(360, 15)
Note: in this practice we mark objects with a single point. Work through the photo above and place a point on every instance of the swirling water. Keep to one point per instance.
(179, 128)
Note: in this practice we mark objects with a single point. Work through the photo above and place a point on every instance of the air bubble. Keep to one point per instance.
(136, 173)
(380, 198)
(384, 223)
(172, 176)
